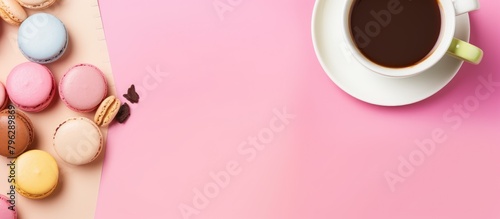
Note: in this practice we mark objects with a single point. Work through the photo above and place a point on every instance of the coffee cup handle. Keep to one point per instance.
(464, 6)
(465, 51)
(461, 49)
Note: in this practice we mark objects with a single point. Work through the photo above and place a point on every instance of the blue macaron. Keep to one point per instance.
(42, 38)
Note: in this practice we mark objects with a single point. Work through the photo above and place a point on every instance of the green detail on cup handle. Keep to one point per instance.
(465, 51)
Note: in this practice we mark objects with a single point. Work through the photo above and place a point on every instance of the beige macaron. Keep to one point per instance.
(12, 12)
(78, 141)
(36, 4)
(107, 111)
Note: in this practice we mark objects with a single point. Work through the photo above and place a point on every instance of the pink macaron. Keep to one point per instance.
(83, 88)
(31, 86)
(7, 210)
(4, 98)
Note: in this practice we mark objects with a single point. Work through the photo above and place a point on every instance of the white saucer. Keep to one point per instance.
(368, 86)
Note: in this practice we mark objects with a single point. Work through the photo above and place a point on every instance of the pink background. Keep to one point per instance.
(225, 77)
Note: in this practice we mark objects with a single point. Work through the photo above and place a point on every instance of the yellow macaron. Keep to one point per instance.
(37, 174)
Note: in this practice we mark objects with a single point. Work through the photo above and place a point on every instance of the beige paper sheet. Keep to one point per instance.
(76, 194)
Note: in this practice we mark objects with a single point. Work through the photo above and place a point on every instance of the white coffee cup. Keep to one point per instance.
(446, 43)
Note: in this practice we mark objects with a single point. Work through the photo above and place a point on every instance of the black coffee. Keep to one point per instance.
(395, 33)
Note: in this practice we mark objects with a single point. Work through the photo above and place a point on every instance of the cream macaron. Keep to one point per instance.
(78, 141)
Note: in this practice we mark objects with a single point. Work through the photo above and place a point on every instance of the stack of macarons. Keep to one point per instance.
(31, 87)
(77, 141)
(83, 88)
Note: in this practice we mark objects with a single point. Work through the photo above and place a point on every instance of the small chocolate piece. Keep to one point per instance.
(123, 113)
(131, 95)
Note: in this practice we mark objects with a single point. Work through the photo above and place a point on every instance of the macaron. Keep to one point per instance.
(83, 87)
(4, 98)
(16, 132)
(12, 12)
(7, 211)
(107, 111)
(42, 38)
(31, 86)
(37, 174)
(78, 141)
(36, 4)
